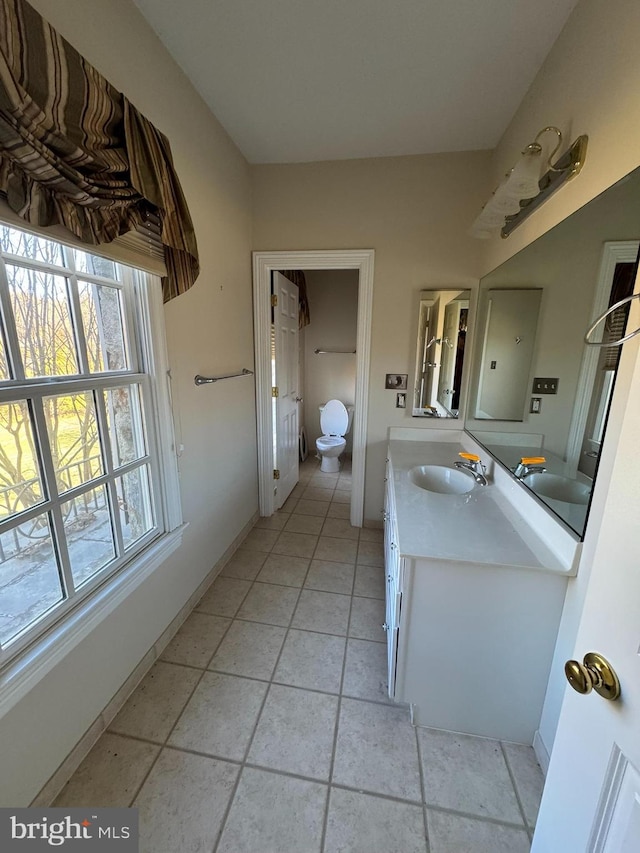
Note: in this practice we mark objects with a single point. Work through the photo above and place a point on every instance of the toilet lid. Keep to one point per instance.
(334, 418)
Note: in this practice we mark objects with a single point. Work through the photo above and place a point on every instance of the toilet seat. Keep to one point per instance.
(334, 419)
(334, 423)
(326, 441)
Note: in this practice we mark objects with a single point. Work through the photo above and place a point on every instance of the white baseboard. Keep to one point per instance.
(541, 752)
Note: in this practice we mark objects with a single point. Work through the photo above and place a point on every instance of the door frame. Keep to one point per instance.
(264, 263)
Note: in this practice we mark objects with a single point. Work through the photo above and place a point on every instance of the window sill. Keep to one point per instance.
(27, 670)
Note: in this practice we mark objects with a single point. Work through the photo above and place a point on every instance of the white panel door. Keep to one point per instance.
(591, 802)
(285, 372)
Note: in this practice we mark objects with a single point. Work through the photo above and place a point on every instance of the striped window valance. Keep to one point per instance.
(75, 152)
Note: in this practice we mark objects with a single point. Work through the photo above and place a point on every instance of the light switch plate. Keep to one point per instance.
(545, 386)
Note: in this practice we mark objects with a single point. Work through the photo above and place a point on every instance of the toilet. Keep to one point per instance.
(335, 422)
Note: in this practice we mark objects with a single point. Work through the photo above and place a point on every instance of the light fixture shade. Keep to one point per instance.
(523, 182)
(481, 232)
(521, 193)
(490, 217)
(504, 202)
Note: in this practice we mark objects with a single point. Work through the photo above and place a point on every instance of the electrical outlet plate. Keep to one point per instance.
(535, 406)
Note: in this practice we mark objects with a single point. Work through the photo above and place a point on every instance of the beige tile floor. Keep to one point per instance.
(265, 727)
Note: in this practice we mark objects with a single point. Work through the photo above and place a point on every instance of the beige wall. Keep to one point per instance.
(414, 212)
(209, 331)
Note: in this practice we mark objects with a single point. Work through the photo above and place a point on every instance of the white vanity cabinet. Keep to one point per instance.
(471, 625)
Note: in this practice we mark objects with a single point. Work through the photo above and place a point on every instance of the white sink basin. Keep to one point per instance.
(441, 480)
(559, 488)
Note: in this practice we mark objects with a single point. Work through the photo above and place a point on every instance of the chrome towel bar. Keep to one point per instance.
(587, 337)
(335, 351)
(206, 380)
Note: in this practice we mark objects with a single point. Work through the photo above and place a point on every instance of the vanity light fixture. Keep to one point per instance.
(524, 189)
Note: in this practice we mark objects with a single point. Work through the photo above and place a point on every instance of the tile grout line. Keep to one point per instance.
(368, 701)
(494, 821)
(323, 836)
(422, 790)
(515, 790)
(344, 657)
(339, 785)
(243, 763)
(175, 722)
(225, 615)
(444, 810)
(164, 744)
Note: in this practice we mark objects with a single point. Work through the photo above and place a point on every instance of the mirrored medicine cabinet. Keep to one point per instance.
(443, 318)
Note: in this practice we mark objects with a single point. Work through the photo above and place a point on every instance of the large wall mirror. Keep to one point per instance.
(443, 316)
(554, 401)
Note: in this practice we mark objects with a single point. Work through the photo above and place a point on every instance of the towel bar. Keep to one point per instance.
(206, 380)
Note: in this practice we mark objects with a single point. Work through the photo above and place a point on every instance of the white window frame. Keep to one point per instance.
(27, 661)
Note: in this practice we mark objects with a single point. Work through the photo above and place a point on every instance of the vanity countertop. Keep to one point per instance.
(480, 527)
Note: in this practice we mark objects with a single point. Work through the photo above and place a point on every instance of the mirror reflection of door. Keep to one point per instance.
(425, 356)
(454, 336)
(442, 329)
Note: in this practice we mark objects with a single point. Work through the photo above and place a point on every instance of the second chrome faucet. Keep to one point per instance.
(471, 463)
(529, 465)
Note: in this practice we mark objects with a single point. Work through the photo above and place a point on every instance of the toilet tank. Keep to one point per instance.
(350, 409)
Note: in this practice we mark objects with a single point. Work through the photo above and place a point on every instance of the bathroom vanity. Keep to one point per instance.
(474, 593)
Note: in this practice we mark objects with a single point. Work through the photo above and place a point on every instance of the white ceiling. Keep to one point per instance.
(304, 80)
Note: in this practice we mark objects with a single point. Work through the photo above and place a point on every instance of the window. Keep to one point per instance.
(81, 475)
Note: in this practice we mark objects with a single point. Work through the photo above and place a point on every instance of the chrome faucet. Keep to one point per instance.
(529, 465)
(471, 463)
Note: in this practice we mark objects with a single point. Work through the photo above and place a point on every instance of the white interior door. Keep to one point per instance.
(285, 379)
(591, 802)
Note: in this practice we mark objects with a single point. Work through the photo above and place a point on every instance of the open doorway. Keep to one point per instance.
(264, 263)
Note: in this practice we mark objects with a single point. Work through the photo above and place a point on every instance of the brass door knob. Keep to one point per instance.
(594, 673)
